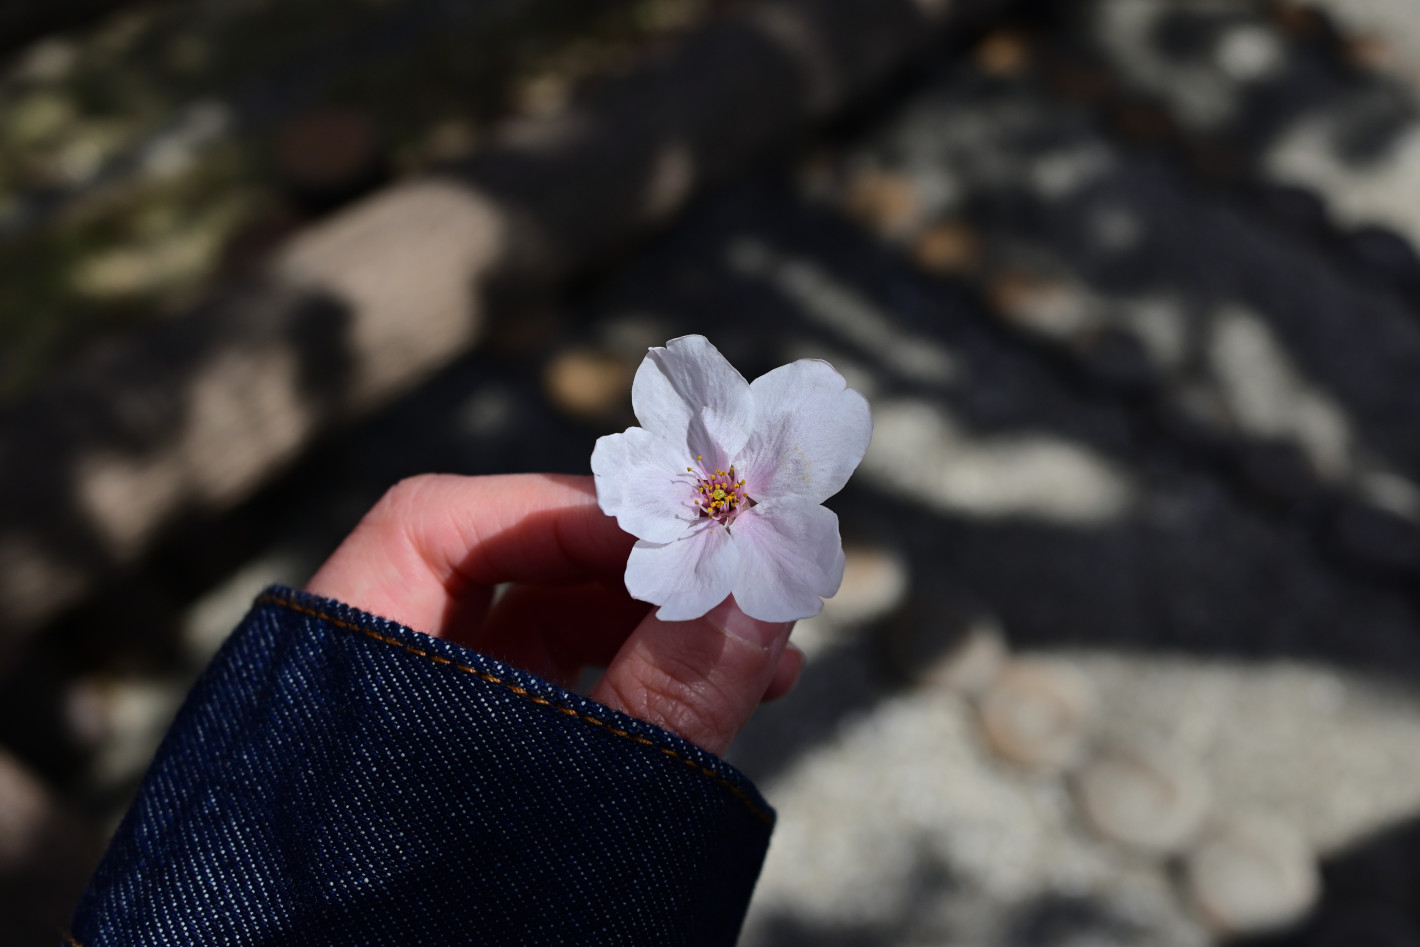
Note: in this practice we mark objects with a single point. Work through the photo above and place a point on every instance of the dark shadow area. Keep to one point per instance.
(1216, 547)
(1056, 919)
(24, 21)
(1142, 276)
(1127, 497)
(133, 409)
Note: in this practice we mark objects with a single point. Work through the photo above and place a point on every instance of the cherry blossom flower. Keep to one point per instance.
(722, 484)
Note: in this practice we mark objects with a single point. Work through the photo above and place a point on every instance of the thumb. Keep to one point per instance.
(700, 679)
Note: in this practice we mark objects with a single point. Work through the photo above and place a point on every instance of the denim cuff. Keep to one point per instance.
(335, 777)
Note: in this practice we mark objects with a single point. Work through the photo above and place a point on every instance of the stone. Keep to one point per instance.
(973, 664)
(947, 248)
(875, 581)
(1143, 797)
(1250, 875)
(1041, 305)
(1369, 51)
(884, 201)
(1003, 53)
(45, 856)
(587, 383)
(1038, 715)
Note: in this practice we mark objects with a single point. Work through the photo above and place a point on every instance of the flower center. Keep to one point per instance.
(719, 494)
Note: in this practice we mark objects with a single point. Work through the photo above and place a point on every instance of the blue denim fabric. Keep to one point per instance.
(335, 778)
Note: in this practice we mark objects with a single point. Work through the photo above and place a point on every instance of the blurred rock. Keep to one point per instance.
(1003, 52)
(51, 59)
(1248, 52)
(449, 140)
(207, 622)
(1041, 305)
(1143, 797)
(947, 248)
(131, 714)
(875, 581)
(547, 94)
(25, 812)
(45, 857)
(884, 201)
(1039, 716)
(588, 384)
(974, 664)
(1369, 51)
(1249, 875)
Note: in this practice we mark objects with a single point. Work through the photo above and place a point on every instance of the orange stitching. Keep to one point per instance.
(738, 793)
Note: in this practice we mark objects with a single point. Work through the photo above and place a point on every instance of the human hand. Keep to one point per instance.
(430, 553)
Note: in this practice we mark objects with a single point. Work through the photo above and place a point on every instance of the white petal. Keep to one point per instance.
(810, 432)
(689, 394)
(686, 578)
(641, 480)
(789, 556)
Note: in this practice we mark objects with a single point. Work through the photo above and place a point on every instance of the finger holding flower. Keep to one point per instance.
(733, 550)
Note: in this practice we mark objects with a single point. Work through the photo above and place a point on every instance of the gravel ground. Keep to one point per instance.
(1141, 500)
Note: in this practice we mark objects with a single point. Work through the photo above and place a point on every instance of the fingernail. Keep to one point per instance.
(762, 634)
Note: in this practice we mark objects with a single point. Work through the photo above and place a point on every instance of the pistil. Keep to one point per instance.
(719, 494)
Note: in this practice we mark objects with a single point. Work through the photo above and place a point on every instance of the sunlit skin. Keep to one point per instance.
(430, 554)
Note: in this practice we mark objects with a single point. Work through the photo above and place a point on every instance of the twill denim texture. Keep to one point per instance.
(336, 778)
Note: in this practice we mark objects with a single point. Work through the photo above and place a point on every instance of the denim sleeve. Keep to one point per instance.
(336, 778)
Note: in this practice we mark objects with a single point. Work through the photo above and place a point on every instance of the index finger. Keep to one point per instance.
(430, 552)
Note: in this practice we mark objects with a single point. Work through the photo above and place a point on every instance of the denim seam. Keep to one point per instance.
(736, 791)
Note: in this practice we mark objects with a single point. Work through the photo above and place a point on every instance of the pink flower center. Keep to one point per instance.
(719, 494)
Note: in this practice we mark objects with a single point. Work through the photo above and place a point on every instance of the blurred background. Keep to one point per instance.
(1129, 640)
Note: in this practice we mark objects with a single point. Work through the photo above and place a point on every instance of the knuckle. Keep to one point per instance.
(685, 704)
(402, 497)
